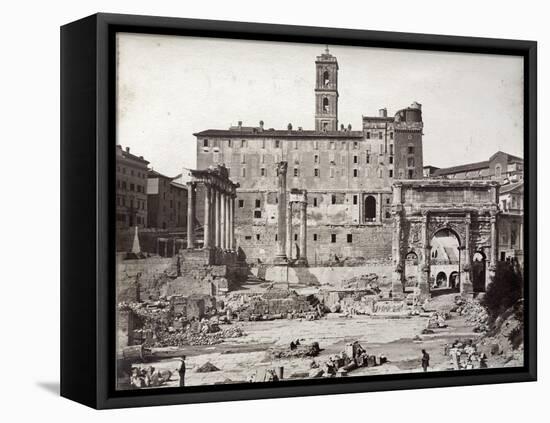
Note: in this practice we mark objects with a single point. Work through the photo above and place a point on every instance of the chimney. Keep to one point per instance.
(383, 112)
(289, 126)
(261, 125)
(349, 126)
(240, 124)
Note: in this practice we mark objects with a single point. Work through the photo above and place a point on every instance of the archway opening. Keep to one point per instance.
(444, 260)
(479, 269)
(453, 280)
(325, 104)
(370, 209)
(326, 78)
(441, 280)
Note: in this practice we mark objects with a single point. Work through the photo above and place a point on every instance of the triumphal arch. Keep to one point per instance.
(423, 211)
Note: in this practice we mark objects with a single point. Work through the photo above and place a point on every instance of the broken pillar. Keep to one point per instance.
(281, 257)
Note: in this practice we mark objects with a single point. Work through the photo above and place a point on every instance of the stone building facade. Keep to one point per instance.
(346, 173)
(166, 201)
(507, 170)
(131, 189)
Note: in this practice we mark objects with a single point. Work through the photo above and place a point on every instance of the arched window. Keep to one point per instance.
(326, 78)
(325, 104)
(412, 258)
(370, 209)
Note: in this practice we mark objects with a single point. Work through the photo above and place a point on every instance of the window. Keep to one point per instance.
(326, 78)
(316, 172)
(316, 145)
(132, 187)
(295, 237)
(391, 149)
(343, 145)
(314, 201)
(295, 145)
(355, 160)
(316, 159)
(411, 173)
(370, 209)
(262, 171)
(410, 162)
(331, 172)
(257, 237)
(355, 199)
(277, 144)
(388, 215)
(355, 145)
(257, 214)
(243, 143)
(391, 159)
(380, 135)
(380, 173)
(205, 143)
(229, 143)
(355, 173)
(410, 149)
(350, 238)
(263, 143)
(315, 237)
(258, 203)
(248, 237)
(243, 172)
(296, 172)
(367, 158)
(368, 135)
(333, 199)
(391, 135)
(243, 158)
(390, 173)
(325, 105)
(333, 238)
(332, 145)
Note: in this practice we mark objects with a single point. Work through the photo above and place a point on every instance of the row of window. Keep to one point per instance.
(123, 170)
(130, 186)
(139, 204)
(317, 172)
(315, 202)
(277, 144)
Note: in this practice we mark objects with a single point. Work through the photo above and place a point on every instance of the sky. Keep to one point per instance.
(169, 87)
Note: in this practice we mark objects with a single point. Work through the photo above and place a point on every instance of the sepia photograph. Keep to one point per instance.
(290, 211)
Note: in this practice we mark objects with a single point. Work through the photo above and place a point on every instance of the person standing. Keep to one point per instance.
(181, 370)
(425, 360)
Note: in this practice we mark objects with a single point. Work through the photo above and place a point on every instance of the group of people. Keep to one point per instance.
(465, 355)
(149, 377)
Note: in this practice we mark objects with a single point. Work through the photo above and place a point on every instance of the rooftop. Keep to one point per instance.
(247, 131)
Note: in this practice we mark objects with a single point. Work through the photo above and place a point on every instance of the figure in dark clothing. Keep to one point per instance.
(425, 360)
(181, 371)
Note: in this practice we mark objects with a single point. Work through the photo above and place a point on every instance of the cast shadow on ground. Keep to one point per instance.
(50, 387)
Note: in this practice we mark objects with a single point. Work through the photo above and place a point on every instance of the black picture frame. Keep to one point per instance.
(87, 208)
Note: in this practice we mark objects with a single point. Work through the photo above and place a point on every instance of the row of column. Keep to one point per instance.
(219, 217)
(302, 245)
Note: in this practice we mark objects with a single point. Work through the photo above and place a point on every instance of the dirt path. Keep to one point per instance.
(238, 358)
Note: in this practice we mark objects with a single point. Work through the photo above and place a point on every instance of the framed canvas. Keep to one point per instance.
(259, 211)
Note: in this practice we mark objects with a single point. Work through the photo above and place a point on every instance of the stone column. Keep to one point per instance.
(217, 218)
(379, 209)
(399, 268)
(303, 232)
(281, 257)
(223, 203)
(191, 215)
(166, 247)
(494, 247)
(466, 287)
(233, 241)
(424, 264)
(227, 221)
(289, 237)
(207, 218)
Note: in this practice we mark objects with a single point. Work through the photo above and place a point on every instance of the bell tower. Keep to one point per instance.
(326, 92)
